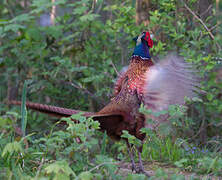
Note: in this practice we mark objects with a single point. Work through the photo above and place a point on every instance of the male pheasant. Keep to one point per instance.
(155, 85)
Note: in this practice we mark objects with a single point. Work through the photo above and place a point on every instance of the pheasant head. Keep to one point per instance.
(143, 43)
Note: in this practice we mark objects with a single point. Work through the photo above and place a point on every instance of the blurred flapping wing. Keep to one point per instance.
(168, 82)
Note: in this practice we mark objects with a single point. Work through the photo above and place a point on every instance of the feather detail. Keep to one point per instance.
(168, 82)
(136, 70)
(134, 75)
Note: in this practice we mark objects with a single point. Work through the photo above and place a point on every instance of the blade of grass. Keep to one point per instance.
(23, 109)
(103, 149)
(212, 164)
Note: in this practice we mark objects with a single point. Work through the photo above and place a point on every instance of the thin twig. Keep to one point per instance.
(212, 28)
(94, 4)
(204, 25)
(201, 127)
(109, 75)
(114, 67)
(217, 15)
(40, 167)
(99, 8)
(85, 90)
(82, 88)
(53, 13)
(9, 9)
(209, 7)
(104, 163)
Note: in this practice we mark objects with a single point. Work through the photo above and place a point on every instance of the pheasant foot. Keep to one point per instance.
(141, 167)
(131, 154)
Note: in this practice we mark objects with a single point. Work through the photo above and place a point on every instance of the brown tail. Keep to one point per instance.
(108, 122)
(52, 110)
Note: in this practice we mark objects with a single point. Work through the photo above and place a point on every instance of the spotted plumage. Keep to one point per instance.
(134, 75)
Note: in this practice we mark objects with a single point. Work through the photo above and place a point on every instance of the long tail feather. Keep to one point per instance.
(107, 121)
(52, 110)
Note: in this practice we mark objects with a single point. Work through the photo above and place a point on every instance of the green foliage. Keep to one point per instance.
(132, 139)
(73, 64)
(60, 169)
(11, 148)
(208, 164)
(136, 176)
(161, 149)
(60, 154)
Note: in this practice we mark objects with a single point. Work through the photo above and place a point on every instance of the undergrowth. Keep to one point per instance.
(74, 64)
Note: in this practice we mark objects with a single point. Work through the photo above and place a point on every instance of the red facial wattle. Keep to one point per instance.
(148, 39)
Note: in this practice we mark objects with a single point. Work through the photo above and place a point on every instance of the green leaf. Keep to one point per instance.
(78, 69)
(86, 175)
(62, 176)
(13, 27)
(212, 164)
(88, 17)
(181, 162)
(136, 176)
(103, 149)
(132, 139)
(164, 129)
(55, 31)
(33, 33)
(4, 122)
(178, 177)
(59, 167)
(11, 148)
(79, 117)
(210, 96)
(23, 108)
(92, 78)
(21, 18)
(80, 10)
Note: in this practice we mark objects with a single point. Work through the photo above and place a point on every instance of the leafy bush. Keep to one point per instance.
(74, 63)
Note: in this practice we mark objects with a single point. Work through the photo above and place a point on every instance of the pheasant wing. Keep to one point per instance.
(168, 82)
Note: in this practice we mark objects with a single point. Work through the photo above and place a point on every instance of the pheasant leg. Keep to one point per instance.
(141, 167)
(131, 154)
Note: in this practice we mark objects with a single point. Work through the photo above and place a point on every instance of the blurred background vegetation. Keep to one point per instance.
(72, 51)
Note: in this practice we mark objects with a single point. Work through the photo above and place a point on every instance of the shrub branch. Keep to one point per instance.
(204, 25)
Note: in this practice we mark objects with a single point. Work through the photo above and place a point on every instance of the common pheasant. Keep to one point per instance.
(155, 85)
